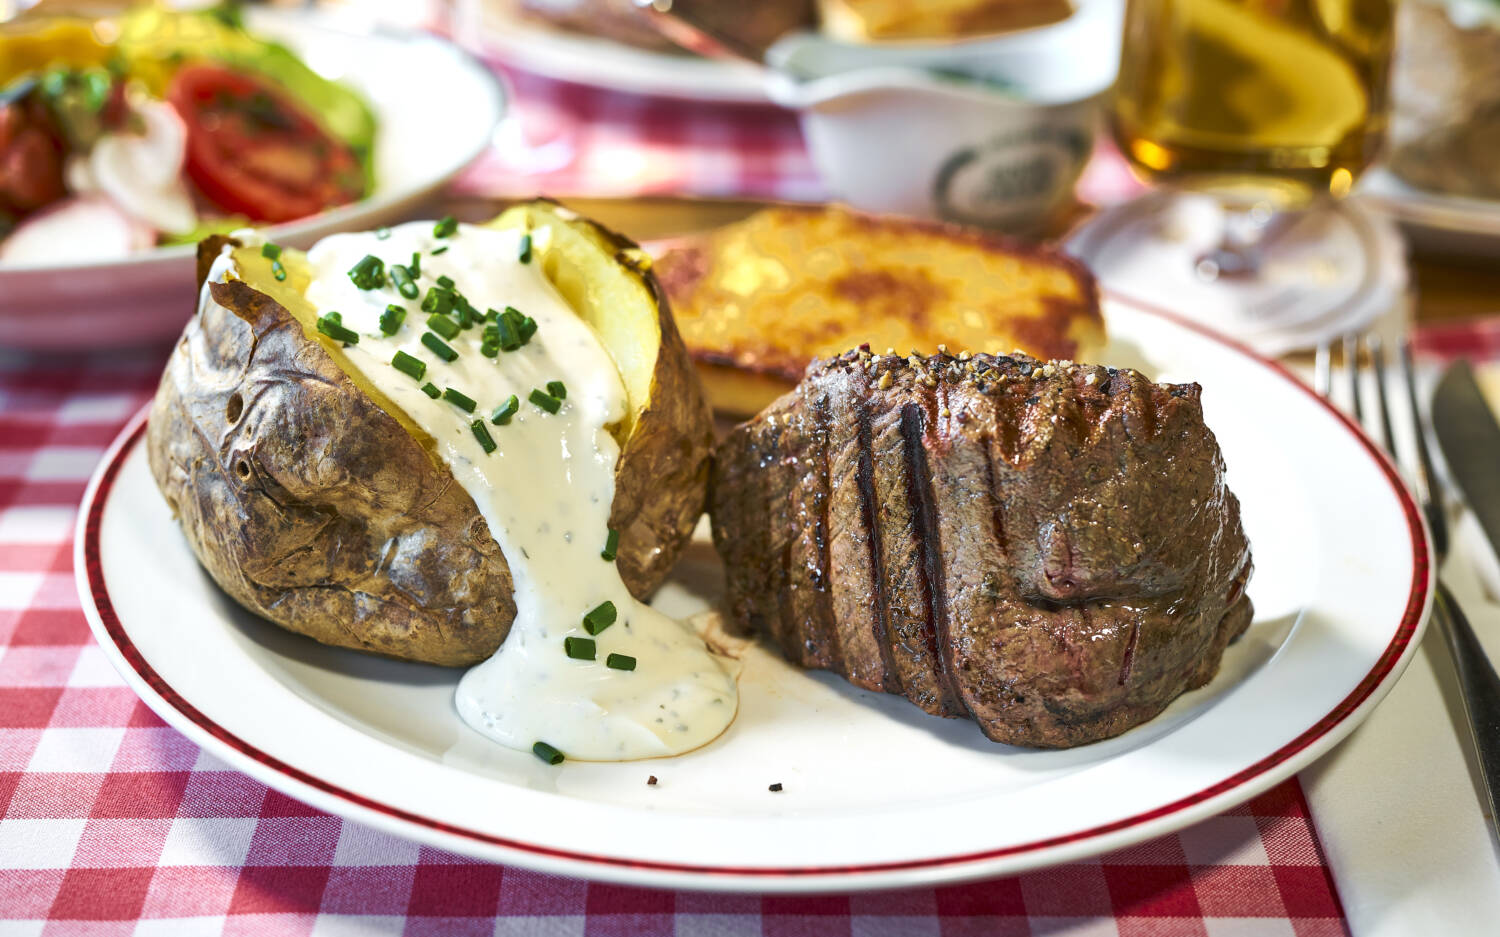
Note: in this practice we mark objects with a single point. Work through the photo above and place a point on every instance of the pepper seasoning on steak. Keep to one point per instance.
(1047, 548)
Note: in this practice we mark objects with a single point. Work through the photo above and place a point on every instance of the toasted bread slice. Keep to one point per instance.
(757, 300)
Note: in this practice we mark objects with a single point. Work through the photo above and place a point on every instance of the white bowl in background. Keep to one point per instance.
(990, 131)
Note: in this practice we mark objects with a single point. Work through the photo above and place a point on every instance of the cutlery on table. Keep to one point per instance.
(1470, 439)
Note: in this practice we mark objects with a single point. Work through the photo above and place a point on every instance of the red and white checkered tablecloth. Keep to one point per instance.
(569, 139)
(112, 823)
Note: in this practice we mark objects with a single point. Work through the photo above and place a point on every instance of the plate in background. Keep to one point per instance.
(877, 794)
(491, 29)
(1435, 223)
(437, 110)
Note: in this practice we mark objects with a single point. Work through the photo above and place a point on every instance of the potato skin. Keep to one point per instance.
(312, 507)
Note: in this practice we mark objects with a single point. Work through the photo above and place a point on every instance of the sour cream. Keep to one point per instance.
(545, 491)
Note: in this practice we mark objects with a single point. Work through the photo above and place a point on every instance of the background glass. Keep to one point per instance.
(1254, 100)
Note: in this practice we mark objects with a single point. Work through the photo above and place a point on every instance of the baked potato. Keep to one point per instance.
(316, 503)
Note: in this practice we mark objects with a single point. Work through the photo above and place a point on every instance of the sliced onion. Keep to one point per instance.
(75, 230)
(143, 173)
(78, 175)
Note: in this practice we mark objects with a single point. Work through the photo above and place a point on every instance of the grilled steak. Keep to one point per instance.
(1049, 549)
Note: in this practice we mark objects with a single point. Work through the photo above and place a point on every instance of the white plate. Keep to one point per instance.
(877, 794)
(437, 110)
(491, 29)
(1436, 223)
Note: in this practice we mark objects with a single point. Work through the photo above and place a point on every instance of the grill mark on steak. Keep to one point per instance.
(1129, 659)
(776, 577)
(823, 597)
(864, 476)
(919, 495)
(997, 508)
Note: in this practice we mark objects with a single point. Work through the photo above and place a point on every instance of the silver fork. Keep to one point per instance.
(1476, 676)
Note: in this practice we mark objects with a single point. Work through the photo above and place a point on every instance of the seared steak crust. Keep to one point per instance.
(1049, 549)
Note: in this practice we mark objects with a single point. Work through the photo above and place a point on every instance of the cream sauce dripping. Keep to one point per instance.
(546, 493)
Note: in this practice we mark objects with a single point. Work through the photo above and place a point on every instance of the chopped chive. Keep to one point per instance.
(438, 300)
(506, 334)
(401, 279)
(369, 273)
(331, 326)
(525, 255)
(547, 753)
(412, 367)
(430, 389)
(557, 389)
(505, 411)
(579, 648)
(440, 250)
(620, 662)
(460, 400)
(491, 315)
(445, 282)
(446, 227)
(443, 325)
(382, 233)
(490, 349)
(517, 326)
(482, 433)
(438, 347)
(601, 617)
(416, 264)
(277, 270)
(270, 251)
(611, 545)
(391, 319)
(524, 325)
(469, 316)
(545, 400)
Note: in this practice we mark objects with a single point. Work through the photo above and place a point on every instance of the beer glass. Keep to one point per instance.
(1270, 108)
(1258, 100)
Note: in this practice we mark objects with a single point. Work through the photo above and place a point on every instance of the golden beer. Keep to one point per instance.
(1254, 100)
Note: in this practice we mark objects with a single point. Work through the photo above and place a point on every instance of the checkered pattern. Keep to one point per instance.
(1476, 339)
(568, 139)
(112, 823)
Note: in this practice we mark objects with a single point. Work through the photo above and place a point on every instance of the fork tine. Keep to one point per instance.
(1323, 370)
(1432, 501)
(1351, 367)
(1377, 362)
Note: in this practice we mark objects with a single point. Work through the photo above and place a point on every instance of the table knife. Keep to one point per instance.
(1470, 440)
(1470, 437)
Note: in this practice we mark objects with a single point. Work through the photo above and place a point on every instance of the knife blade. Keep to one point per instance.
(1470, 440)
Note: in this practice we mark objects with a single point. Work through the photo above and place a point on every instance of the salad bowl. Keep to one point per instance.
(435, 108)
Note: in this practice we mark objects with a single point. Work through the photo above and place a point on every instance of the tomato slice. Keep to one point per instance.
(253, 151)
(31, 158)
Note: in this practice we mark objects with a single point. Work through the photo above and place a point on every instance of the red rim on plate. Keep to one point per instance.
(1264, 770)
